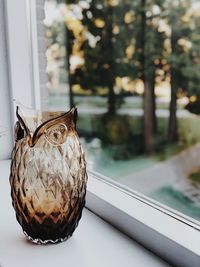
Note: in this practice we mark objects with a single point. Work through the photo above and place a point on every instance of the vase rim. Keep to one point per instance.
(36, 129)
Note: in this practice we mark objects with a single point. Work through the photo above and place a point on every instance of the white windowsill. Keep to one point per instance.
(94, 243)
(167, 233)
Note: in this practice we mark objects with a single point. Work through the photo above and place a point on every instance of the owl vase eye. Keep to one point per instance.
(56, 135)
(19, 132)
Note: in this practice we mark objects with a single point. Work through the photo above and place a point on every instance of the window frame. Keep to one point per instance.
(22, 46)
(171, 235)
(165, 233)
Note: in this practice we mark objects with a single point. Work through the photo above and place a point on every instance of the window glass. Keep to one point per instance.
(133, 70)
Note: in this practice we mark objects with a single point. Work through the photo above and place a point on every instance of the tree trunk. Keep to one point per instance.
(148, 116)
(110, 72)
(153, 98)
(148, 91)
(71, 96)
(69, 37)
(111, 100)
(173, 127)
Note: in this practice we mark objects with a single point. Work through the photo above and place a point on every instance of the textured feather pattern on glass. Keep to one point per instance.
(48, 175)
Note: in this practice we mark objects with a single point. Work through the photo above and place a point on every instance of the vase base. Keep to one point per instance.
(39, 241)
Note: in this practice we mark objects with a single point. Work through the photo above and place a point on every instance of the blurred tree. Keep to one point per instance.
(73, 43)
(106, 47)
(192, 69)
(68, 44)
(183, 57)
(150, 40)
(99, 64)
(149, 47)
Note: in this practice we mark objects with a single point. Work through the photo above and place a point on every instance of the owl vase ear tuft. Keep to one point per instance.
(18, 132)
(74, 114)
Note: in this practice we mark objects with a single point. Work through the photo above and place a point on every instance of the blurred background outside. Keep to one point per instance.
(133, 70)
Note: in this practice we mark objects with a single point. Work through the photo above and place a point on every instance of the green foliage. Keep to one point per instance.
(150, 40)
(185, 55)
(125, 135)
(118, 48)
(189, 129)
(195, 176)
(122, 27)
(116, 130)
(194, 107)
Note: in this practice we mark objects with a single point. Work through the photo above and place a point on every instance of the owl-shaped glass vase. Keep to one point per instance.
(48, 174)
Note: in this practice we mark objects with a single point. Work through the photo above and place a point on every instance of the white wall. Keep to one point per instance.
(5, 114)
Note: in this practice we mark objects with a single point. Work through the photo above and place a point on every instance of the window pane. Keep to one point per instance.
(133, 70)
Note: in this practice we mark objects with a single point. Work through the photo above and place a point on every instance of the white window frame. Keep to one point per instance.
(23, 52)
(169, 234)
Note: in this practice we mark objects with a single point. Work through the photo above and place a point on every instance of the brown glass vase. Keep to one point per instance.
(48, 175)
